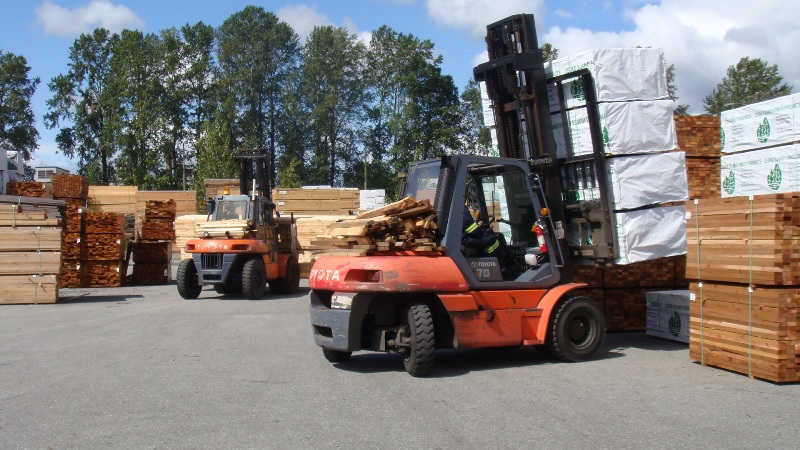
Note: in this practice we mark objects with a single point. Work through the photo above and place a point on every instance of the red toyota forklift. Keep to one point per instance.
(412, 303)
(263, 249)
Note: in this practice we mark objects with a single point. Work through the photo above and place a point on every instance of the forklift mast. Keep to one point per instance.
(517, 85)
(254, 172)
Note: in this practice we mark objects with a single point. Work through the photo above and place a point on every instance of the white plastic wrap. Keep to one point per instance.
(486, 104)
(620, 74)
(627, 128)
(765, 124)
(668, 314)
(643, 180)
(768, 171)
(650, 233)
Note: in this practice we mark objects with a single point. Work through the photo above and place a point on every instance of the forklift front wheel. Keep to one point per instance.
(418, 334)
(578, 330)
(187, 280)
(254, 279)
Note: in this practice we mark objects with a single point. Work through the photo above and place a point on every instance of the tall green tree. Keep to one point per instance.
(17, 129)
(257, 53)
(749, 81)
(332, 85)
(215, 155)
(549, 52)
(79, 105)
(475, 138)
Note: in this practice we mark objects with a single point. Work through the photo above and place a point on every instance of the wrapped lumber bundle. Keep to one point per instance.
(743, 262)
(151, 263)
(405, 225)
(30, 249)
(622, 290)
(102, 249)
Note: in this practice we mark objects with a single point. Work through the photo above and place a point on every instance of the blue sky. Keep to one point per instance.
(702, 38)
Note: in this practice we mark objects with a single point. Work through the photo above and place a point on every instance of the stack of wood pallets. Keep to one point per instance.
(405, 225)
(744, 267)
(30, 249)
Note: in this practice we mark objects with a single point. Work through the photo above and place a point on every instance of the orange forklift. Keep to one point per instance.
(259, 249)
(412, 303)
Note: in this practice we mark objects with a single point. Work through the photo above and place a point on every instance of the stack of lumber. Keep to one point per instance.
(699, 137)
(405, 225)
(621, 291)
(185, 202)
(30, 251)
(184, 230)
(743, 262)
(158, 221)
(102, 249)
(29, 189)
(116, 199)
(231, 229)
(308, 228)
(73, 189)
(152, 250)
(316, 201)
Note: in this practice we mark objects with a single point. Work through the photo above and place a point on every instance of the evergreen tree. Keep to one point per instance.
(749, 81)
(17, 130)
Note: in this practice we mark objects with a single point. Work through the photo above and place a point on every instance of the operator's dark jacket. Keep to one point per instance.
(477, 237)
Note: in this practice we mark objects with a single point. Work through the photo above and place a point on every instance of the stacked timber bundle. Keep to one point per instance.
(29, 189)
(184, 230)
(70, 275)
(744, 267)
(316, 201)
(405, 225)
(73, 189)
(308, 228)
(116, 199)
(699, 137)
(102, 249)
(152, 250)
(231, 229)
(30, 251)
(622, 291)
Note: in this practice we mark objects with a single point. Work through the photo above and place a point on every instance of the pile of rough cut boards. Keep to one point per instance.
(151, 251)
(405, 225)
(744, 249)
(30, 245)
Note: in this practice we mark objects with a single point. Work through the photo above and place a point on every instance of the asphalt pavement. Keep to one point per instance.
(139, 367)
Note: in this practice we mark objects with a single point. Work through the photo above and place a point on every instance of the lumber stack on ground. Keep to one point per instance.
(621, 291)
(699, 137)
(30, 251)
(157, 222)
(405, 225)
(743, 260)
(102, 249)
(152, 250)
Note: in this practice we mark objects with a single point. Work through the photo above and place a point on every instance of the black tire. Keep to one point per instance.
(577, 330)
(220, 289)
(254, 279)
(336, 356)
(289, 284)
(187, 280)
(418, 360)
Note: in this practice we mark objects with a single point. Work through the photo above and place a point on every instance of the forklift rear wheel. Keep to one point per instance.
(418, 333)
(188, 284)
(336, 356)
(254, 280)
(289, 284)
(577, 331)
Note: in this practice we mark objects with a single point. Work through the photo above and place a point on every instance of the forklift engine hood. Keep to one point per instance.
(386, 274)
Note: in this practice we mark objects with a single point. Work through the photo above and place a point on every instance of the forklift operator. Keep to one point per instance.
(479, 237)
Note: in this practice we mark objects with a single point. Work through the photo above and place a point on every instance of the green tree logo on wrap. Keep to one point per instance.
(763, 131)
(729, 184)
(722, 138)
(775, 177)
(576, 89)
(606, 139)
(674, 324)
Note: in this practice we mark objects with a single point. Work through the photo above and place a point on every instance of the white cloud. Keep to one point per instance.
(474, 15)
(702, 39)
(303, 18)
(563, 13)
(61, 21)
(48, 154)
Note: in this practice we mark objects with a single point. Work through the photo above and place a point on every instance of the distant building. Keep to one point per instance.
(45, 174)
(11, 168)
